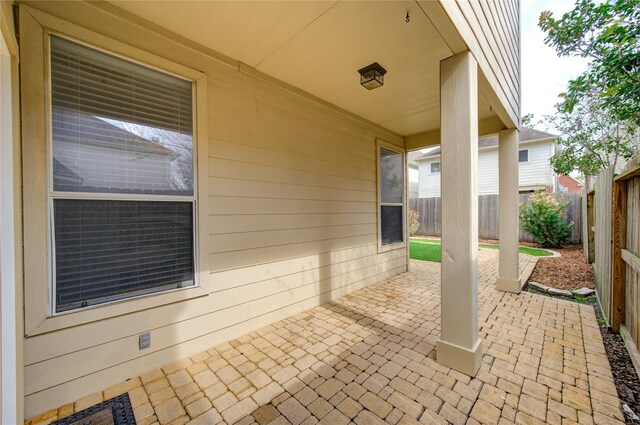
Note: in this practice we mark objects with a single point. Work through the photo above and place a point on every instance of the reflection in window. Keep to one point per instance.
(123, 178)
(391, 196)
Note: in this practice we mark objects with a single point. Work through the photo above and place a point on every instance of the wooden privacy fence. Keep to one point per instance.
(612, 240)
(429, 215)
(625, 259)
(602, 209)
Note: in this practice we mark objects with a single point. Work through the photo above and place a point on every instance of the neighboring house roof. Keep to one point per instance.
(103, 134)
(526, 135)
(63, 174)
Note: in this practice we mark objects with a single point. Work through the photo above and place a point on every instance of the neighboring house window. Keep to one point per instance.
(435, 168)
(391, 169)
(523, 155)
(121, 190)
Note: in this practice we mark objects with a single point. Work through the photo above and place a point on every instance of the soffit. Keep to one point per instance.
(319, 46)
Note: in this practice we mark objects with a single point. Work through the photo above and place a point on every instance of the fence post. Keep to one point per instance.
(618, 269)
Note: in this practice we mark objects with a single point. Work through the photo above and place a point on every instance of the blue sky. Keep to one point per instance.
(544, 75)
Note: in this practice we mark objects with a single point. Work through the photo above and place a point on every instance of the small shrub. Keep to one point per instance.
(543, 218)
(414, 223)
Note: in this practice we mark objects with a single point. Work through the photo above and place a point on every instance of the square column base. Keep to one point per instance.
(459, 358)
(509, 285)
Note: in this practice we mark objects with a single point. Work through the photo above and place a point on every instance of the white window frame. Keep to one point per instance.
(434, 173)
(54, 195)
(11, 388)
(528, 161)
(384, 248)
(38, 184)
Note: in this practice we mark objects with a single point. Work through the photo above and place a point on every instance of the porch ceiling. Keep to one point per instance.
(319, 46)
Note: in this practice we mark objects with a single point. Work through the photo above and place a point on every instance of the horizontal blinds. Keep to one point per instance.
(118, 127)
(96, 83)
(110, 250)
(391, 224)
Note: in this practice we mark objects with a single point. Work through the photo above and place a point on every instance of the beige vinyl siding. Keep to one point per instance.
(292, 219)
(491, 30)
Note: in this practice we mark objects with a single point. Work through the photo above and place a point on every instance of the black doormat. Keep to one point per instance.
(115, 411)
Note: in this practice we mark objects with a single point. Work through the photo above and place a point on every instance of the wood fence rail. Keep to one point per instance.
(430, 209)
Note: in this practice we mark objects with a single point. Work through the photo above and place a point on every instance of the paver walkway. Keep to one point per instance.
(368, 358)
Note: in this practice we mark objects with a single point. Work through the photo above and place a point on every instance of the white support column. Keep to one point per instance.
(509, 271)
(11, 390)
(459, 346)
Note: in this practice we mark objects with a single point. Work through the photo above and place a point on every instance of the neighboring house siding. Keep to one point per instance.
(429, 184)
(488, 172)
(292, 203)
(536, 174)
(99, 162)
(413, 189)
(491, 30)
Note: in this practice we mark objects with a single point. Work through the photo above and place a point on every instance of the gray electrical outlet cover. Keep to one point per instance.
(144, 340)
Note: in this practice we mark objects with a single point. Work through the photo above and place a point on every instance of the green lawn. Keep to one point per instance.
(425, 251)
(430, 250)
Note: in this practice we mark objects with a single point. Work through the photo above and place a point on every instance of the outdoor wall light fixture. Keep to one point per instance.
(372, 76)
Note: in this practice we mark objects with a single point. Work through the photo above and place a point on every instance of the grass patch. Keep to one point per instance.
(430, 250)
(425, 251)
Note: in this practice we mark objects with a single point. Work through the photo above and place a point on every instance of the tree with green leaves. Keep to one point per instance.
(592, 138)
(599, 115)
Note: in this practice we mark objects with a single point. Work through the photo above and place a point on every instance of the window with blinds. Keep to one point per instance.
(122, 187)
(391, 187)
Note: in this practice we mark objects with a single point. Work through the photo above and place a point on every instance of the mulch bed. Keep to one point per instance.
(569, 271)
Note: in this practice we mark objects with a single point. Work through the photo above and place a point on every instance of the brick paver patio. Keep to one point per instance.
(369, 358)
